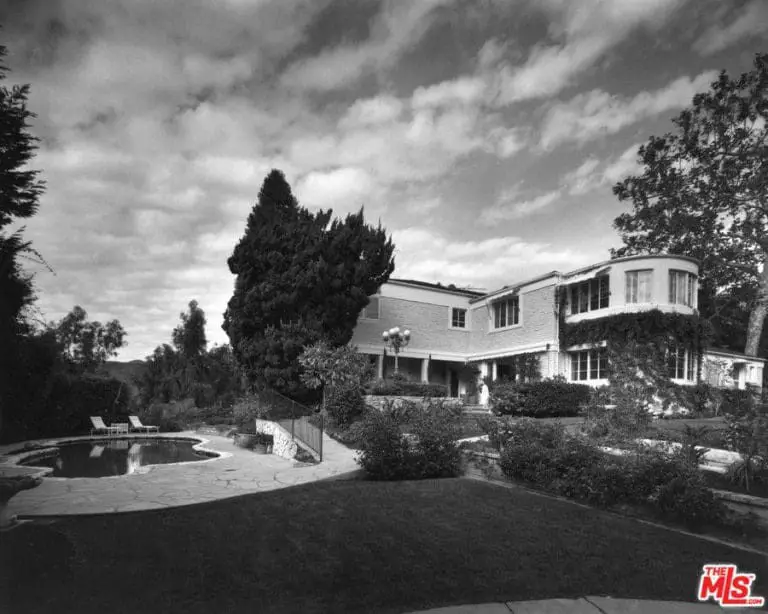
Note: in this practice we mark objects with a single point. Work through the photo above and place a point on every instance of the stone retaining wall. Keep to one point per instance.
(378, 401)
(283, 445)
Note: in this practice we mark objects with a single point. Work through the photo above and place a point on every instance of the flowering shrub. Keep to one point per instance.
(344, 405)
(543, 399)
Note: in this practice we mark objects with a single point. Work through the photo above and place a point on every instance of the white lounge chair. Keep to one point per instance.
(100, 427)
(136, 425)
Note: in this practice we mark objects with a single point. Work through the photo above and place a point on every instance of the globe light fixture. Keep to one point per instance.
(397, 340)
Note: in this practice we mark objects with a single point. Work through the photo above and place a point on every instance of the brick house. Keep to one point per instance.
(458, 336)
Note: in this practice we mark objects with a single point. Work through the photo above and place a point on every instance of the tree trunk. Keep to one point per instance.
(757, 314)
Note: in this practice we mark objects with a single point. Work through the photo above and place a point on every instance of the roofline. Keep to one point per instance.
(425, 285)
(695, 261)
(516, 286)
(734, 354)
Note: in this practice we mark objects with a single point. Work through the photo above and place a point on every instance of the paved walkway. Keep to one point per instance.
(237, 472)
(587, 605)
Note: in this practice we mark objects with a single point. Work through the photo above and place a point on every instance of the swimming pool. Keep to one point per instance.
(104, 458)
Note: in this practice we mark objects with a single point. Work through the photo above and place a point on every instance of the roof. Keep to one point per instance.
(438, 287)
(734, 354)
(626, 258)
(525, 282)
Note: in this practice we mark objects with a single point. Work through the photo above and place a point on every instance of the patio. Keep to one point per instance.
(236, 472)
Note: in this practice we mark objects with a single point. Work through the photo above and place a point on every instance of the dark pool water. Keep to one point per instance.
(98, 459)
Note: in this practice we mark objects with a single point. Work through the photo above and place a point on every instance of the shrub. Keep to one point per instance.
(344, 405)
(398, 386)
(542, 399)
(686, 498)
(402, 412)
(431, 452)
(384, 451)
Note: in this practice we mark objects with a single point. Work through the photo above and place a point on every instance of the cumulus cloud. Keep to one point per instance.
(510, 206)
(596, 113)
(750, 21)
(593, 174)
(487, 263)
(585, 31)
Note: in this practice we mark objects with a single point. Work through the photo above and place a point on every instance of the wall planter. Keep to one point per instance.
(260, 443)
(245, 440)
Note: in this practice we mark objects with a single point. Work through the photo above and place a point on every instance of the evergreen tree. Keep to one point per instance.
(189, 336)
(301, 277)
(20, 191)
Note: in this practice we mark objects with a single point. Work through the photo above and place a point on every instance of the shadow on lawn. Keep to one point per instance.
(349, 547)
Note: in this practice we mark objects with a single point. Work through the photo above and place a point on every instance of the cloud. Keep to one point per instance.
(750, 22)
(349, 187)
(509, 207)
(596, 113)
(395, 30)
(592, 174)
(464, 90)
(487, 263)
(586, 31)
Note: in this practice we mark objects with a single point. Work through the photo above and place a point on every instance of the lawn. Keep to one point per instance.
(350, 547)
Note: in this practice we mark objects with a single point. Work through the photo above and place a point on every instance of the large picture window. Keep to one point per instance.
(639, 286)
(589, 365)
(506, 312)
(682, 288)
(681, 363)
(590, 295)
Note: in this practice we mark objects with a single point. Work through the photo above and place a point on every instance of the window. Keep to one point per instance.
(371, 311)
(589, 364)
(681, 364)
(590, 295)
(639, 286)
(682, 288)
(458, 318)
(506, 312)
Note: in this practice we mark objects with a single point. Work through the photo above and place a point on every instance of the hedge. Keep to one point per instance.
(400, 387)
(543, 399)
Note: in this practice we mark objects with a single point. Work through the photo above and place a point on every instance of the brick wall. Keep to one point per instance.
(428, 323)
(538, 323)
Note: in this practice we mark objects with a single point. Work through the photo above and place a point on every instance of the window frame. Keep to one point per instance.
(588, 362)
(452, 319)
(515, 311)
(681, 363)
(689, 288)
(584, 295)
(629, 290)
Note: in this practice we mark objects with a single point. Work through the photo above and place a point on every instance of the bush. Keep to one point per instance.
(344, 405)
(387, 454)
(402, 412)
(542, 399)
(686, 498)
(398, 386)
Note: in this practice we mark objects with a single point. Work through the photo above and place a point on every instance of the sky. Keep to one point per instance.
(485, 136)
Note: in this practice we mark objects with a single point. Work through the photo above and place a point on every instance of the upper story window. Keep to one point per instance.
(371, 311)
(458, 317)
(506, 312)
(589, 364)
(639, 286)
(682, 288)
(590, 295)
(681, 363)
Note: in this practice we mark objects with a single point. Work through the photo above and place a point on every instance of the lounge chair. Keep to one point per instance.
(100, 427)
(136, 425)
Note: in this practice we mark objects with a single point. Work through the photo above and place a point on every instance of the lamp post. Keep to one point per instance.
(396, 340)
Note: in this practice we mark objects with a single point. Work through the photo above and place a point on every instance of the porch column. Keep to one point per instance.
(495, 370)
(380, 366)
(483, 388)
(425, 370)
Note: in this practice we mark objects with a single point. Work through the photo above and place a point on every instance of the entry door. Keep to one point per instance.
(454, 383)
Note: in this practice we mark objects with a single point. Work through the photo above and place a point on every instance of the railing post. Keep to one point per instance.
(293, 420)
(321, 437)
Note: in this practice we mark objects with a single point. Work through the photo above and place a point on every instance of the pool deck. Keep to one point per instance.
(236, 472)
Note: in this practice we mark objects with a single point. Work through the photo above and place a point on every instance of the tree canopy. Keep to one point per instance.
(189, 336)
(703, 192)
(301, 277)
(88, 345)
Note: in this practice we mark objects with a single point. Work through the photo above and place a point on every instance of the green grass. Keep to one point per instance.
(350, 547)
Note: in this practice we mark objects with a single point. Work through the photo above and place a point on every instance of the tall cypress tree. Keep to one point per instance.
(300, 277)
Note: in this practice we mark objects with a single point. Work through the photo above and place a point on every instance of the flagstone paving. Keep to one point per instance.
(236, 472)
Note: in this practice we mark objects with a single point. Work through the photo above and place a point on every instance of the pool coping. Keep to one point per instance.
(11, 460)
